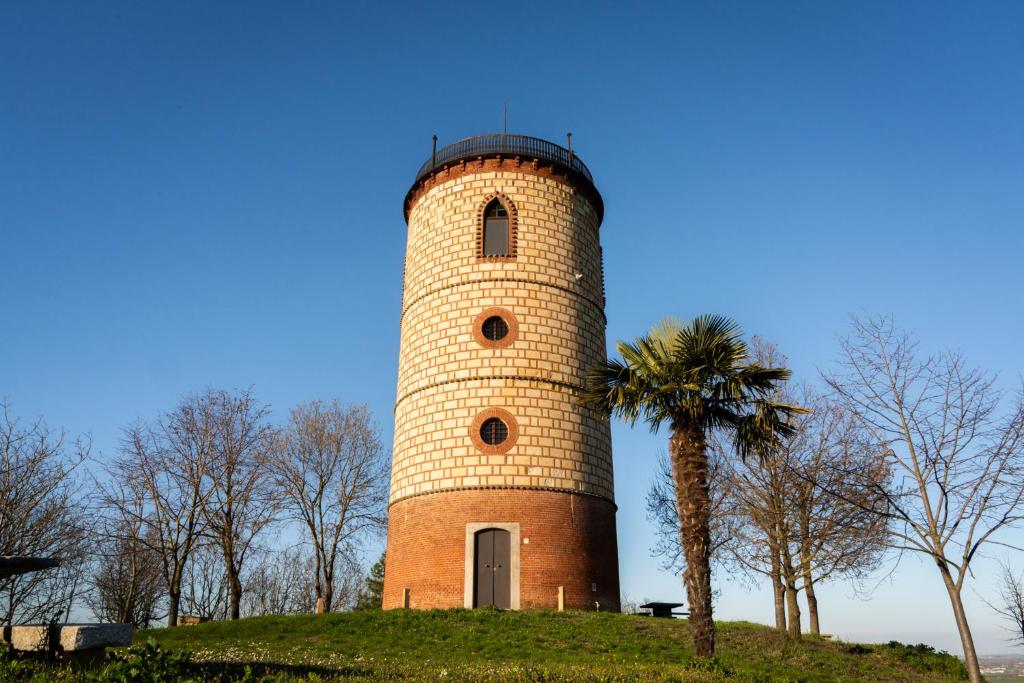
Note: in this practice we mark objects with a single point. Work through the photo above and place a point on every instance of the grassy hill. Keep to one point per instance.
(460, 645)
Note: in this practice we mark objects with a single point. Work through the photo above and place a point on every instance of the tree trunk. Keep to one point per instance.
(173, 599)
(328, 593)
(812, 600)
(318, 584)
(966, 639)
(231, 573)
(690, 469)
(235, 589)
(778, 590)
(126, 610)
(805, 558)
(329, 562)
(789, 573)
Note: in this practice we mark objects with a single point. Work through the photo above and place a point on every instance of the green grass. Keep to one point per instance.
(490, 645)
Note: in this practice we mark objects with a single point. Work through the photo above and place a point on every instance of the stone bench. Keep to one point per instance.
(68, 637)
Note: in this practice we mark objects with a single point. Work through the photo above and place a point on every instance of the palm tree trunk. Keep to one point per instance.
(693, 500)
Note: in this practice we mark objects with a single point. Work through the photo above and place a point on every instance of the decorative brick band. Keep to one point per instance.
(575, 388)
(510, 487)
(529, 281)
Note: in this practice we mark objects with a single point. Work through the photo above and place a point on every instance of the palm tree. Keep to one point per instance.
(699, 378)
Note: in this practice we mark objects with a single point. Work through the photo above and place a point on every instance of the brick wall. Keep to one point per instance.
(554, 288)
(565, 540)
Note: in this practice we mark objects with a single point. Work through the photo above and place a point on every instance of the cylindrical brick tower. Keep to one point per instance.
(501, 483)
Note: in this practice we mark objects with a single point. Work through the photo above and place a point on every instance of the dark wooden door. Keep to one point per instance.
(493, 584)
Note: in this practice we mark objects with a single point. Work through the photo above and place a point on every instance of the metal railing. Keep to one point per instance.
(504, 144)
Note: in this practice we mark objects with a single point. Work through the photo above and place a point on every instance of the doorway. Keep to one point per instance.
(492, 584)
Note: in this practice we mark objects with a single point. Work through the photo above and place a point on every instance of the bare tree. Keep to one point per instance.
(758, 529)
(42, 514)
(799, 518)
(280, 583)
(1010, 604)
(195, 474)
(957, 457)
(285, 583)
(158, 483)
(204, 583)
(758, 501)
(838, 530)
(127, 585)
(240, 504)
(331, 471)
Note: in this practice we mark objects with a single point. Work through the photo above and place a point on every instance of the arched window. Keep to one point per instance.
(496, 240)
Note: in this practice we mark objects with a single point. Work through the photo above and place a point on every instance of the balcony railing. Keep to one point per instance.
(504, 144)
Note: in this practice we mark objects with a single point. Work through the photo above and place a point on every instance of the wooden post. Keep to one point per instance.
(405, 598)
(561, 598)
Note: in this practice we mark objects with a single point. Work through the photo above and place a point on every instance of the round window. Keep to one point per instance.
(495, 328)
(493, 431)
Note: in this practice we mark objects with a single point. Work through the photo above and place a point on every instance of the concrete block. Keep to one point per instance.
(90, 636)
(73, 637)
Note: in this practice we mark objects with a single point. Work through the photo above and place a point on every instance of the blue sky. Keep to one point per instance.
(199, 194)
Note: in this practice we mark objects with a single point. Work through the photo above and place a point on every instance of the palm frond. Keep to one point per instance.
(710, 345)
(666, 331)
(762, 431)
(697, 373)
(763, 379)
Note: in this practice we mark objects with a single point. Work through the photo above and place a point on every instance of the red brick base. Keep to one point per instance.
(565, 540)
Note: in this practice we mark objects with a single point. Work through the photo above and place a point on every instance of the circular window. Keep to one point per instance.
(493, 431)
(494, 328)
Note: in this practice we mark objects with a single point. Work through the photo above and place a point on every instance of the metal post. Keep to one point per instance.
(569, 136)
(433, 155)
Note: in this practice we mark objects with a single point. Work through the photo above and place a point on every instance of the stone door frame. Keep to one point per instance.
(514, 544)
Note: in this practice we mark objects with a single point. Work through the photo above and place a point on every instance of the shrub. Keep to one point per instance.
(926, 658)
(149, 663)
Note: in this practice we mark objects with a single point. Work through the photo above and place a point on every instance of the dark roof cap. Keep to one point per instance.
(509, 145)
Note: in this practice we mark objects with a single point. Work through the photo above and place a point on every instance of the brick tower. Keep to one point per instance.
(501, 483)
